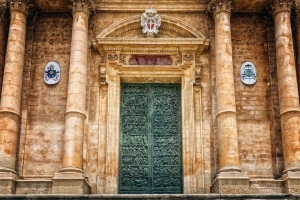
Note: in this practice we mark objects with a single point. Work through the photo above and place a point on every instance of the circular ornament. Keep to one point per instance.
(52, 73)
(248, 73)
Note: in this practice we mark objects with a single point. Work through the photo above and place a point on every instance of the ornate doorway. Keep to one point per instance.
(150, 139)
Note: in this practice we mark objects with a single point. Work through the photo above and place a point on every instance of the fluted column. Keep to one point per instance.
(76, 101)
(12, 86)
(288, 94)
(226, 107)
(2, 39)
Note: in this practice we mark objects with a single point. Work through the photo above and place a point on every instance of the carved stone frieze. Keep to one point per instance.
(123, 59)
(198, 59)
(198, 76)
(112, 57)
(215, 6)
(179, 58)
(188, 57)
(103, 76)
(84, 5)
(102, 57)
(20, 5)
(150, 60)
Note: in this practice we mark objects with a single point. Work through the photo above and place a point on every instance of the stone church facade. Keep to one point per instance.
(149, 113)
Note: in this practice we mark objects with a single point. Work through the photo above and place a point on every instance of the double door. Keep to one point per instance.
(150, 159)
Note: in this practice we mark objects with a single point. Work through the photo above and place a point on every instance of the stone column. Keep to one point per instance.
(2, 39)
(71, 172)
(226, 107)
(288, 94)
(11, 95)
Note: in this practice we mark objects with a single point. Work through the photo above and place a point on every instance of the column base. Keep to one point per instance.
(8, 183)
(231, 183)
(291, 182)
(70, 183)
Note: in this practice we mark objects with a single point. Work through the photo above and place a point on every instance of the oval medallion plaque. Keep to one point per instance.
(52, 73)
(248, 73)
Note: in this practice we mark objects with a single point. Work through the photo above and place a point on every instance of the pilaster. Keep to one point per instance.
(230, 179)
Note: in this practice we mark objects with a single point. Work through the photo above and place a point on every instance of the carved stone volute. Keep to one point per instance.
(87, 6)
(278, 6)
(20, 5)
(216, 6)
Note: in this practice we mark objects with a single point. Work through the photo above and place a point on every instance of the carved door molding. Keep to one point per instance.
(184, 68)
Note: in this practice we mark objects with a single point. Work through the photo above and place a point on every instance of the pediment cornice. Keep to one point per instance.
(175, 26)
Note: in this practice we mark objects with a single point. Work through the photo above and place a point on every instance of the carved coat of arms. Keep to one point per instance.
(248, 73)
(52, 73)
(150, 21)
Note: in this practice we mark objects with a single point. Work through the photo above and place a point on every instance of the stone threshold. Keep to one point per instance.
(154, 196)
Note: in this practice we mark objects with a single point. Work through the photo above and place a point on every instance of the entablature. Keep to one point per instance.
(163, 6)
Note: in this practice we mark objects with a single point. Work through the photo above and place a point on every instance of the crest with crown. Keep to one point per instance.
(150, 21)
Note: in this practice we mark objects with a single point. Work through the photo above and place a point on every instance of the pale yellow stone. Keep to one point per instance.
(288, 89)
(11, 92)
(226, 107)
(76, 100)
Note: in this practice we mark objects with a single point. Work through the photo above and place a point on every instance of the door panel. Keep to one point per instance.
(150, 141)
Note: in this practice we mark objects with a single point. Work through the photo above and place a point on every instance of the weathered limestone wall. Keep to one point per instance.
(43, 135)
(257, 106)
(44, 107)
(253, 102)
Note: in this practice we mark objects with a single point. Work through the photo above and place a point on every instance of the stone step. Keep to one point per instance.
(154, 197)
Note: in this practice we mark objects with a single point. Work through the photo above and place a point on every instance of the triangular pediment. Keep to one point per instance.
(170, 28)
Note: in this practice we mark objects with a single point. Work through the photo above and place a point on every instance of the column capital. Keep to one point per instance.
(87, 6)
(216, 6)
(20, 5)
(277, 6)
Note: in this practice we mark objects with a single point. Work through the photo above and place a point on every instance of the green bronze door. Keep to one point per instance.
(150, 141)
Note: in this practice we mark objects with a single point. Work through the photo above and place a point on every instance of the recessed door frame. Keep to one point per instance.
(117, 72)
